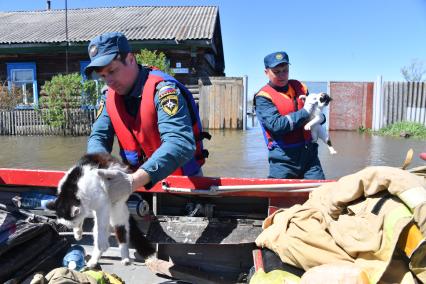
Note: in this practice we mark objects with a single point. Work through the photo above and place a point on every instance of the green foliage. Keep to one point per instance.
(363, 129)
(9, 98)
(154, 58)
(404, 129)
(65, 92)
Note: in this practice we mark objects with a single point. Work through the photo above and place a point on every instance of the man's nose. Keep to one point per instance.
(109, 79)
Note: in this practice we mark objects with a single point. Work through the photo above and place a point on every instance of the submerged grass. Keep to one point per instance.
(404, 129)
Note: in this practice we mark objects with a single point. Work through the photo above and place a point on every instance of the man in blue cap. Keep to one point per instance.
(282, 115)
(153, 115)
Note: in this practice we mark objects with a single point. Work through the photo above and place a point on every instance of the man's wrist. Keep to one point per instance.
(140, 178)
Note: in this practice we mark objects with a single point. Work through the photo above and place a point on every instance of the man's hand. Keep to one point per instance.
(140, 178)
(116, 182)
(310, 103)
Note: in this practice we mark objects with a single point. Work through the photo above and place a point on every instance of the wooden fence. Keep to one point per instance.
(221, 102)
(404, 101)
(30, 122)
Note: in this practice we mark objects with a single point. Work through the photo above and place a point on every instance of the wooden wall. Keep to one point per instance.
(221, 102)
(53, 63)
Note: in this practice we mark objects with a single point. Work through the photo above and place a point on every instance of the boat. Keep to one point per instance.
(205, 225)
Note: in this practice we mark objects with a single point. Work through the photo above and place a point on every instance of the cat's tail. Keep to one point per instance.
(142, 245)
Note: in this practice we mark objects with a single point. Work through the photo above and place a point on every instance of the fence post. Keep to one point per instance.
(377, 104)
(245, 79)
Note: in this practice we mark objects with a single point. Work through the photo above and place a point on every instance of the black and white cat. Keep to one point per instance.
(83, 190)
(316, 118)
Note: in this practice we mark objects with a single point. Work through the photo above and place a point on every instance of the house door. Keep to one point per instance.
(22, 80)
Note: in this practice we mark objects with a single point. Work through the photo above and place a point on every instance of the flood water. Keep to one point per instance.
(232, 153)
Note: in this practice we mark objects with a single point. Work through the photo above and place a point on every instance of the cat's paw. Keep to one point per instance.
(307, 127)
(92, 263)
(78, 234)
(333, 152)
(125, 261)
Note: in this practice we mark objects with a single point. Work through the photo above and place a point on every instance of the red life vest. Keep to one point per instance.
(140, 140)
(286, 103)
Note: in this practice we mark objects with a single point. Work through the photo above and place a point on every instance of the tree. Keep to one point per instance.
(154, 58)
(415, 71)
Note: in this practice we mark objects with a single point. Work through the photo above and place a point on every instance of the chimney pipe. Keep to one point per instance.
(48, 5)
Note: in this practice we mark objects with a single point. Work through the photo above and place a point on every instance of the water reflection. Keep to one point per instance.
(232, 153)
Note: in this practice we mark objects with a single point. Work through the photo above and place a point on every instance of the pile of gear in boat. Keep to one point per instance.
(367, 227)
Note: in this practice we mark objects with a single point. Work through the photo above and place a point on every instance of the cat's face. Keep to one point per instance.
(323, 100)
(68, 206)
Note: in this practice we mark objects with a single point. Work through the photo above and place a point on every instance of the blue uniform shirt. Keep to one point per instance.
(178, 145)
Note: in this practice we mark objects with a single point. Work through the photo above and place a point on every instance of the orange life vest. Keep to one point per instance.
(286, 103)
(139, 136)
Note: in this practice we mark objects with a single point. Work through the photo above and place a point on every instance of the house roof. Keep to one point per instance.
(138, 23)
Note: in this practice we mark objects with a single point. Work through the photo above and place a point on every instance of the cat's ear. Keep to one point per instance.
(103, 173)
(106, 174)
(51, 205)
(75, 210)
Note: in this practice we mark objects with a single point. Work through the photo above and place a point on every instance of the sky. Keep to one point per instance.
(327, 40)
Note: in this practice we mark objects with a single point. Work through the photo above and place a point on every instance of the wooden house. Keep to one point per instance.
(36, 45)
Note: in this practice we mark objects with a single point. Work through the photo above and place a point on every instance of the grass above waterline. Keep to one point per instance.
(404, 129)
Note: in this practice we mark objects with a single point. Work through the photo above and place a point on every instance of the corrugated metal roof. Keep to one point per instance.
(138, 23)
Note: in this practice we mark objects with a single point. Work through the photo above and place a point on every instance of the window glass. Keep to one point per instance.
(22, 75)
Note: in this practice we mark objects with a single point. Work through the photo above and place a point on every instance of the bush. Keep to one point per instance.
(154, 58)
(9, 98)
(66, 92)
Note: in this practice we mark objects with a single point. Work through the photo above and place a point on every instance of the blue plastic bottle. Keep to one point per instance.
(74, 259)
(35, 200)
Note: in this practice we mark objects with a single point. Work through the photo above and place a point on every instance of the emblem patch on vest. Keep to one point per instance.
(100, 108)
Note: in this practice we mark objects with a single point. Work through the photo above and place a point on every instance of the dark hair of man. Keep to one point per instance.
(122, 57)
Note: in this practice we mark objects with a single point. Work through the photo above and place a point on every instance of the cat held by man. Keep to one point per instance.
(316, 118)
(88, 188)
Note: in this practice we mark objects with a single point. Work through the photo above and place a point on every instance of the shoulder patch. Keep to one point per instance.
(169, 103)
(100, 108)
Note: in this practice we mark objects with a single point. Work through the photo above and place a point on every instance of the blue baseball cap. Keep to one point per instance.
(276, 58)
(104, 48)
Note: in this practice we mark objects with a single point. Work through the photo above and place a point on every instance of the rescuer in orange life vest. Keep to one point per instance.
(282, 116)
(153, 115)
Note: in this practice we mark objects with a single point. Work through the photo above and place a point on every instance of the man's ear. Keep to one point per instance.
(131, 59)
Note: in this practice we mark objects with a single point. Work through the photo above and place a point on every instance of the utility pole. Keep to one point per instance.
(66, 36)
